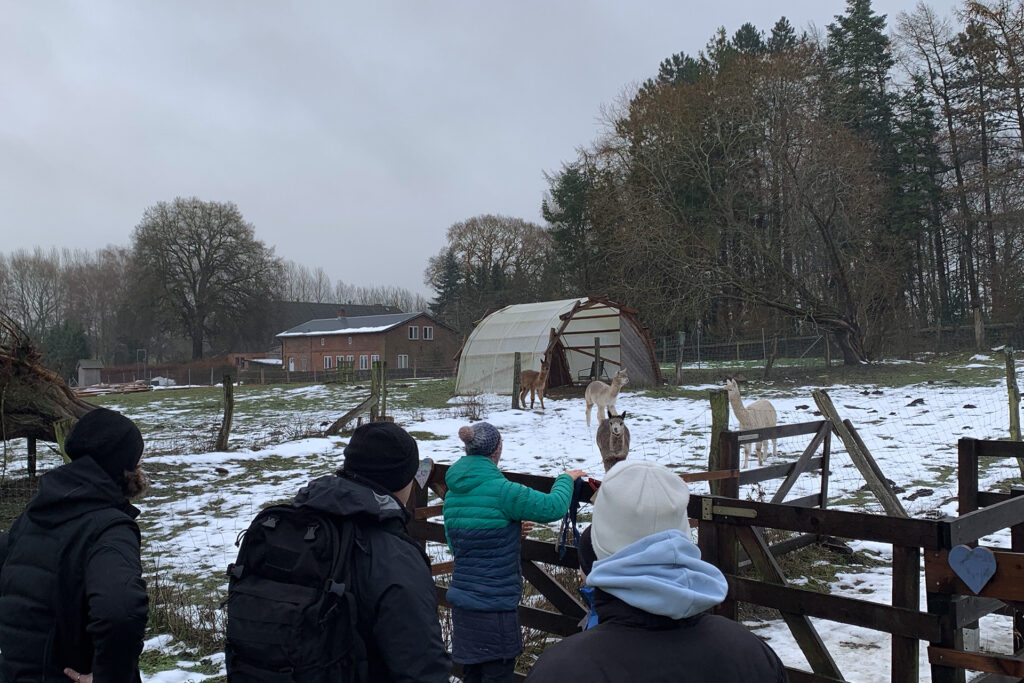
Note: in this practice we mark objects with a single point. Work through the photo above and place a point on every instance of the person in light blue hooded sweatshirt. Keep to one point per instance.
(651, 591)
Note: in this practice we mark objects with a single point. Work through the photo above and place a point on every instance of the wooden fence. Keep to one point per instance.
(731, 534)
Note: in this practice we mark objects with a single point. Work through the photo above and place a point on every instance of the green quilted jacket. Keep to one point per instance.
(480, 497)
(482, 511)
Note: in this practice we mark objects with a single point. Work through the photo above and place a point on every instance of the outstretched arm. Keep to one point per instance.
(524, 503)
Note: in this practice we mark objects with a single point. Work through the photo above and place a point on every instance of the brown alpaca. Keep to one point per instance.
(613, 440)
(534, 382)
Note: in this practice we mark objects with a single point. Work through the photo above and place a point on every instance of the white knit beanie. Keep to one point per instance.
(637, 499)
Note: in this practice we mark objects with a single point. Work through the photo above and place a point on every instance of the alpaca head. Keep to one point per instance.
(731, 386)
(621, 377)
(617, 424)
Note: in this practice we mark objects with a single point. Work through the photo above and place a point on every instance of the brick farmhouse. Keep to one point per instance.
(411, 343)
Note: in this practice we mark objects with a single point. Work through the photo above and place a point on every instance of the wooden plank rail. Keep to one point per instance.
(895, 620)
(771, 472)
(977, 661)
(968, 528)
(922, 533)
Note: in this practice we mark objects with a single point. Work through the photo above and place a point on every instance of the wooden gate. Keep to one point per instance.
(727, 524)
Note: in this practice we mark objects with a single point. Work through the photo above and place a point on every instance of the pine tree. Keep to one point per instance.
(783, 36)
(748, 40)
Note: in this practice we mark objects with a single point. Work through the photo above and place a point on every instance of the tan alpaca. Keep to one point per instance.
(613, 440)
(534, 382)
(752, 416)
(604, 396)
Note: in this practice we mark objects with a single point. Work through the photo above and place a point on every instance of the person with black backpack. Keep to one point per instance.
(331, 588)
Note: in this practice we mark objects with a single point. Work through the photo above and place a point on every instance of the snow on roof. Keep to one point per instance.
(362, 324)
(266, 361)
(327, 333)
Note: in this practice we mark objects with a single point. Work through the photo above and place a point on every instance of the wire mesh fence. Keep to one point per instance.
(207, 374)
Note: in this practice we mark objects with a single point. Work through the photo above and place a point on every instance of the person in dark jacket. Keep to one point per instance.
(651, 590)
(396, 604)
(73, 603)
(484, 515)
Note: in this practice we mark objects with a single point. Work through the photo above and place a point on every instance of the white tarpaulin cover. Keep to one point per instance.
(488, 357)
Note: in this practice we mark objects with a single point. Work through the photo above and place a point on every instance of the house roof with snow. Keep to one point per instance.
(363, 324)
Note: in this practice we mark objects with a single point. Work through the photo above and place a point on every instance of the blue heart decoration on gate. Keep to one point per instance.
(974, 565)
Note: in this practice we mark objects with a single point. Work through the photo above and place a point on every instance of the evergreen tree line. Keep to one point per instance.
(864, 181)
(195, 281)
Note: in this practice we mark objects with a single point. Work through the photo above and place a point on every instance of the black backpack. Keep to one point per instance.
(291, 614)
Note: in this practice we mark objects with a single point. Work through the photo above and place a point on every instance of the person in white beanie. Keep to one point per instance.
(651, 591)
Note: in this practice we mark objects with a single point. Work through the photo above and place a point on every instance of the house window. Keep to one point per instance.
(414, 332)
(350, 344)
(403, 361)
(340, 360)
(327, 362)
(305, 364)
(364, 362)
(349, 359)
(321, 341)
(291, 364)
(374, 359)
(428, 332)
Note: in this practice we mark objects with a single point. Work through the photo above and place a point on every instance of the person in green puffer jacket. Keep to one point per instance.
(483, 516)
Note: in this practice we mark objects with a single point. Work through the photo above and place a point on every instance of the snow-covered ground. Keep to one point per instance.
(199, 502)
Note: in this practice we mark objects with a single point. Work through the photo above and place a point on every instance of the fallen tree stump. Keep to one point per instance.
(33, 399)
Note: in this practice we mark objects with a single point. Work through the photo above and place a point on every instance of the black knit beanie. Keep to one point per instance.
(384, 453)
(109, 438)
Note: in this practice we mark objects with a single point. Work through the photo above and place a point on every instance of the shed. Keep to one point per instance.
(566, 329)
(89, 372)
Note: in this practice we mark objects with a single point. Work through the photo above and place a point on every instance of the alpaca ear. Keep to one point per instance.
(623, 414)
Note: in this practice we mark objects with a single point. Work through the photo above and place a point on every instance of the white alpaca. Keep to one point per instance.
(752, 416)
(604, 396)
(613, 440)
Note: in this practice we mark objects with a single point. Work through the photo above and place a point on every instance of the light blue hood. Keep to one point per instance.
(661, 574)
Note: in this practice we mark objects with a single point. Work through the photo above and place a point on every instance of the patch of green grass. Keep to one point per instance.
(421, 393)
(426, 436)
(155, 661)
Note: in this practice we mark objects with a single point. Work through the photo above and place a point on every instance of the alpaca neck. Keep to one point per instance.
(742, 414)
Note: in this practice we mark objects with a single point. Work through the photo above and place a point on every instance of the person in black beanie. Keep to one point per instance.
(73, 603)
(396, 605)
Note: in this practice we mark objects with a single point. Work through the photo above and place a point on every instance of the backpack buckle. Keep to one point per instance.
(270, 522)
(311, 532)
(336, 588)
(235, 570)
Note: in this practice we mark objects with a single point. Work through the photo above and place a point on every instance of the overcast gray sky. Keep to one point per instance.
(351, 135)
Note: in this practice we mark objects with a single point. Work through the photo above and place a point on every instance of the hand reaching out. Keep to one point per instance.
(576, 474)
(77, 677)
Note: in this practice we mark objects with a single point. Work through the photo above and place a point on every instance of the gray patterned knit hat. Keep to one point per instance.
(480, 439)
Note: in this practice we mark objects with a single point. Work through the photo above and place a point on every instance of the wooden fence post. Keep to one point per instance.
(1013, 392)
(596, 374)
(719, 423)
(229, 412)
(906, 592)
(517, 369)
(679, 359)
